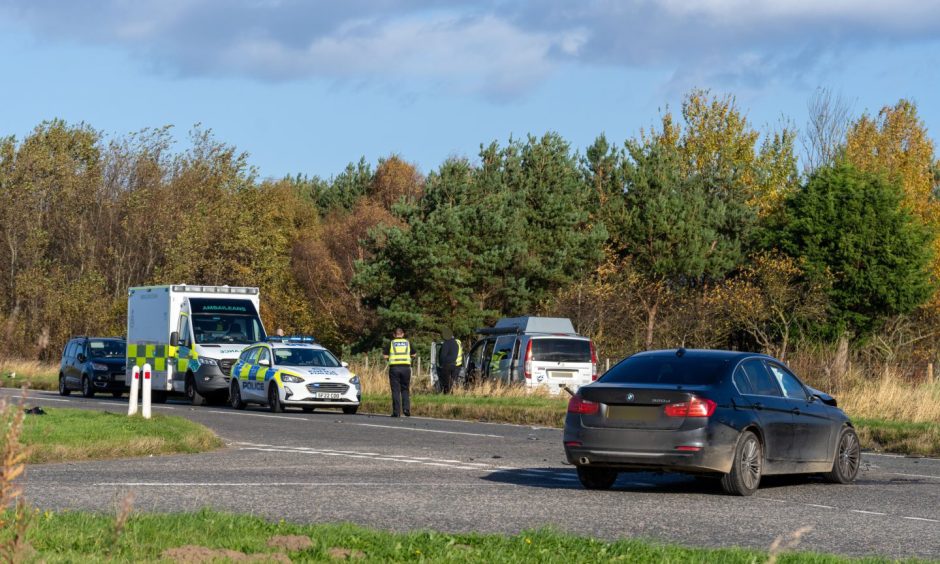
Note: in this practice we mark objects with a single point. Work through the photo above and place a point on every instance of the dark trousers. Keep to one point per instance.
(399, 379)
(445, 377)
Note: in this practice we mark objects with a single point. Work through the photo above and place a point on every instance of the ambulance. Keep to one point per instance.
(191, 336)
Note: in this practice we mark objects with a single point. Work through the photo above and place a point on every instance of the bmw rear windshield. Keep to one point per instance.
(561, 350)
(669, 370)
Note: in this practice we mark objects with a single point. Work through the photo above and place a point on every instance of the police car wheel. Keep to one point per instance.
(235, 395)
(274, 399)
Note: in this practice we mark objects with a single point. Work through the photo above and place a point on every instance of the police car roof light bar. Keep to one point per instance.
(292, 339)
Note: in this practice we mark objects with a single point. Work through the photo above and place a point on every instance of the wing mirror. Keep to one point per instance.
(81, 357)
(175, 339)
(264, 362)
(344, 364)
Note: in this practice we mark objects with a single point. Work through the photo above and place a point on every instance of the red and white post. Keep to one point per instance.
(135, 387)
(145, 408)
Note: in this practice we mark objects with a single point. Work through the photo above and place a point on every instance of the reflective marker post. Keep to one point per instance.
(145, 408)
(135, 386)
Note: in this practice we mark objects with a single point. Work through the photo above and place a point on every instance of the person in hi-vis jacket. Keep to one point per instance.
(399, 357)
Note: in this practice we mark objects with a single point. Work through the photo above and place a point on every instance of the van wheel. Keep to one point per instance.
(274, 399)
(63, 389)
(746, 468)
(192, 393)
(235, 396)
(594, 478)
(87, 390)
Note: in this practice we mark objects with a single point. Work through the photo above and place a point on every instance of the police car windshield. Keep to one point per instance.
(106, 348)
(305, 357)
(223, 329)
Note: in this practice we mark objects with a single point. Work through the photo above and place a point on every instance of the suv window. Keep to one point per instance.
(561, 350)
(757, 380)
(791, 386)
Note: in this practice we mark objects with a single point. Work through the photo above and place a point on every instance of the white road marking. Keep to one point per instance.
(258, 415)
(863, 511)
(888, 455)
(819, 506)
(28, 397)
(427, 430)
(914, 475)
(294, 484)
(922, 519)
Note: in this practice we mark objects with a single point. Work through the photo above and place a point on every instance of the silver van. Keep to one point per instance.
(532, 351)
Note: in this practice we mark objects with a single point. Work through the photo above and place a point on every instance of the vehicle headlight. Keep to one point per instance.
(99, 367)
(354, 380)
(291, 379)
(206, 361)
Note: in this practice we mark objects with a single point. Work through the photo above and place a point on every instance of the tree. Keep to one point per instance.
(852, 225)
(824, 137)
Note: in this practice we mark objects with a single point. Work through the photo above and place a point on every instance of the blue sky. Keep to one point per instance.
(306, 87)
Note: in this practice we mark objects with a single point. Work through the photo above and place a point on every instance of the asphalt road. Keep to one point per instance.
(403, 474)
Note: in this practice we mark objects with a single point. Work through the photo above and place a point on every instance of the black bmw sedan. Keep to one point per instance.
(734, 415)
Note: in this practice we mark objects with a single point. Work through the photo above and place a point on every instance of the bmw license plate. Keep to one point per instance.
(632, 413)
(324, 395)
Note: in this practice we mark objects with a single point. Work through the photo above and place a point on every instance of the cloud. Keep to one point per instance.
(494, 48)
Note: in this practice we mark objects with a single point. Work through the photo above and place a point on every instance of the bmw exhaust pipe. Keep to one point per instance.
(584, 461)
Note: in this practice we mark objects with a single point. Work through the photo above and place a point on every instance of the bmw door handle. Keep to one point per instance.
(795, 411)
(758, 406)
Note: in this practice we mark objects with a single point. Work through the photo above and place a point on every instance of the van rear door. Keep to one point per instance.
(561, 361)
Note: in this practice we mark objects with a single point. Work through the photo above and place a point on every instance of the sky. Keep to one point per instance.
(307, 86)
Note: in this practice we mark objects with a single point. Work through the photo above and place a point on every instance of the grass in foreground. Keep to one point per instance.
(78, 434)
(74, 537)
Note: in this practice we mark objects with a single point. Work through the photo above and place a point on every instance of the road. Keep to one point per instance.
(457, 476)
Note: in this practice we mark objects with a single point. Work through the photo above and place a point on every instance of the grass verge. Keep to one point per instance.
(208, 535)
(78, 434)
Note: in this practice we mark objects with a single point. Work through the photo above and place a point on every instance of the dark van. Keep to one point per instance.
(93, 364)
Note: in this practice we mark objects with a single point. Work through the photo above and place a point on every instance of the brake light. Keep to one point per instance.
(528, 361)
(581, 406)
(695, 407)
(593, 362)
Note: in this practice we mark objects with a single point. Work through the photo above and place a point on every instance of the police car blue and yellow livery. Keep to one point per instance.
(293, 373)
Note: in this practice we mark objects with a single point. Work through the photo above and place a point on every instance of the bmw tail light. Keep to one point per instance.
(581, 406)
(528, 360)
(695, 407)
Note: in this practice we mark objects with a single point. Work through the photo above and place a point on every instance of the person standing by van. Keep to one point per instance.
(399, 373)
(449, 359)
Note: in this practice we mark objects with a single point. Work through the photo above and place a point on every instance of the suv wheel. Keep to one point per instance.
(192, 393)
(63, 389)
(88, 390)
(746, 467)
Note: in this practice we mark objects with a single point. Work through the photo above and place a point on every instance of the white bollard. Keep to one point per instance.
(135, 387)
(145, 402)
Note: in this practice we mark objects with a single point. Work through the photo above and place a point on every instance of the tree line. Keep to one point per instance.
(701, 231)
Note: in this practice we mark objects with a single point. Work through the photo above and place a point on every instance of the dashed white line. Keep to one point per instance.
(819, 506)
(921, 519)
(864, 512)
(428, 430)
(914, 475)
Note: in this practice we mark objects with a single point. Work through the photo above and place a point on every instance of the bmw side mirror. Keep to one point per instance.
(344, 364)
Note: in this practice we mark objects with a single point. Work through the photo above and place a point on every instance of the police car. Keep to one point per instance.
(293, 372)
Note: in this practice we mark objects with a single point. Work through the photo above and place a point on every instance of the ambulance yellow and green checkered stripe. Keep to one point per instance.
(159, 356)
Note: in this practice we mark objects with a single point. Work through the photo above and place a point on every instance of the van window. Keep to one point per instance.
(107, 348)
(666, 370)
(561, 350)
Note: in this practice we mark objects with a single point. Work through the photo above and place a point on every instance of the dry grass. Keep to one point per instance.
(39, 375)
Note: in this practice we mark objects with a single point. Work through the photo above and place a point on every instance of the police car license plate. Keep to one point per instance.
(324, 395)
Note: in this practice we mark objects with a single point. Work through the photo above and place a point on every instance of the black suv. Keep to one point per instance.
(93, 364)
